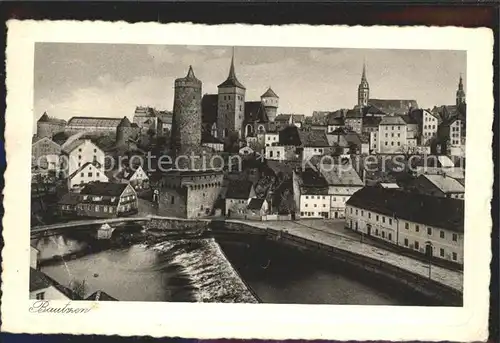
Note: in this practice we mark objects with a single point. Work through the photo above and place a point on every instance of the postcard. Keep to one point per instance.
(239, 181)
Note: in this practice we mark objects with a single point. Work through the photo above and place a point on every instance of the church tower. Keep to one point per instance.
(230, 105)
(460, 92)
(363, 89)
(270, 101)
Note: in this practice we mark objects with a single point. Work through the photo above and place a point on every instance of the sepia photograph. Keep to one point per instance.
(217, 176)
(165, 173)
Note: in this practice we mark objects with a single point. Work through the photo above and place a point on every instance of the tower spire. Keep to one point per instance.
(363, 76)
(232, 74)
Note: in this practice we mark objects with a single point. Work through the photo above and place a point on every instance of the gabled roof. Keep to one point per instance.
(256, 204)
(255, 112)
(67, 149)
(313, 138)
(354, 113)
(353, 138)
(446, 213)
(239, 189)
(372, 110)
(392, 120)
(295, 118)
(104, 189)
(85, 165)
(39, 281)
(208, 138)
(46, 119)
(269, 94)
(209, 108)
(95, 121)
(392, 106)
(338, 176)
(124, 122)
(371, 121)
(445, 183)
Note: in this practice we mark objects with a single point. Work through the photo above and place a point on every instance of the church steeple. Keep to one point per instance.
(460, 96)
(363, 89)
(231, 80)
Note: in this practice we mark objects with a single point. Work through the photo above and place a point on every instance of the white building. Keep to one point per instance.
(430, 123)
(34, 254)
(85, 174)
(392, 135)
(79, 152)
(314, 203)
(276, 153)
(455, 137)
(440, 185)
(422, 223)
(271, 138)
(42, 287)
(238, 196)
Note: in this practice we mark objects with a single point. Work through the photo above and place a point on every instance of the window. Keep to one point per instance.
(82, 174)
(376, 232)
(40, 296)
(356, 212)
(315, 205)
(386, 143)
(80, 150)
(406, 242)
(454, 237)
(390, 221)
(79, 157)
(417, 228)
(399, 143)
(172, 200)
(441, 252)
(407, 226)
(351, 210)
(90, 174)
(369, 215)
(306, 205)
(362, 213)
(454, 256)
(95, 150)
(416, 245)
(383, 219)
(390, 236)
(376, 217)
(429, 231)
(97, 174)
(441, 234)
(383, 234)
(392, 134)
(307, 197)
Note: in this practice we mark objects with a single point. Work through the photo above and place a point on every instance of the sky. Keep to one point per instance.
(111, 80)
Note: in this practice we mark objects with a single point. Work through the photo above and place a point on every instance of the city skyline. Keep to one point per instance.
(117, 78)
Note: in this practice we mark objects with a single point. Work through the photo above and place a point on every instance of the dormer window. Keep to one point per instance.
(113, 199)
(85, 197)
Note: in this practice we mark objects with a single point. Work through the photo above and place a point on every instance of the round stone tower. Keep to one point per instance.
(186, 122)
(124, 131)
(270, 101)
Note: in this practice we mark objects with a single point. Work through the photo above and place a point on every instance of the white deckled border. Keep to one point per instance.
(246, 320)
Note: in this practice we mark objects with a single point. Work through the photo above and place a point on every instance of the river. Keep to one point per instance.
(197, 270)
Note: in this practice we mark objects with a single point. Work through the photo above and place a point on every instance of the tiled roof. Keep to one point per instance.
(144, 111)
(255, 112)
(354, 113)
(392, 120)
(296, 118)
(409, 119)
(290, 136)
(39, 281)
(372, 121)
(231, 80)
(269, 94)
(100, 296)
(68, 199)
(313, 138)
(255, 204)
(72, 145)
(439, 212)
(95, 164)
(371, 110)
(337, 175)
(104, 189)
(390, 106)
(209, 108)
(94, 121)
(353, 138)
(239, 189)
(311, 178)
(445, 183)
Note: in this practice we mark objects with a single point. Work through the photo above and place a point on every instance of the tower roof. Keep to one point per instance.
(125, 122)
(231, 80)
(44, 117)
(364, 81)
(189, 77)
(269, 94)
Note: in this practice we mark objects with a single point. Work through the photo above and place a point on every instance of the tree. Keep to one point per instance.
(79, 288)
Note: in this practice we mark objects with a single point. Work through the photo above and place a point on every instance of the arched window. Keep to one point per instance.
(248, 130)
(225, 133)
(261, 129)
(214, 130)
